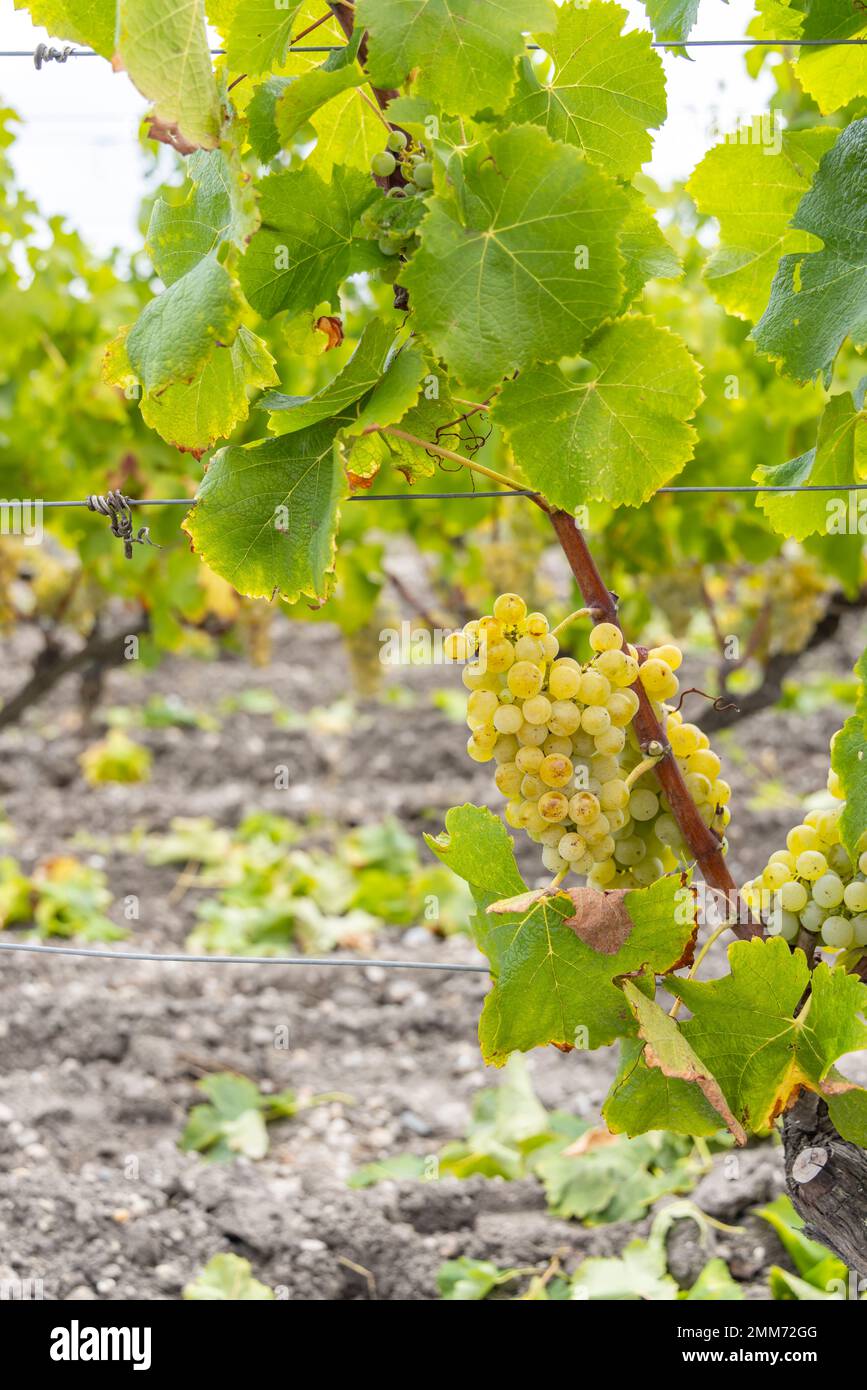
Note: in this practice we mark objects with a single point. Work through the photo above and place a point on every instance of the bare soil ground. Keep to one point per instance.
(98, 1060)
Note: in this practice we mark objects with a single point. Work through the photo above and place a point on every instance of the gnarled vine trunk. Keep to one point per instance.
(827, 1181)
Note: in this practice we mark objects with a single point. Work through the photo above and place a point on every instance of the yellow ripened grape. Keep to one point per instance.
(556, 770)
(534, 824)
(584, 808)
(630, 850)
(477, 752)
(838, 859)
(498, 656)
(594, 689)
(684, 739)
(698, 786)
(811, 864)
(647, 871)
(553, 806)
(475, 677)
(550, 646)
(835, 786)
(643, 804)
(598, 829)
(481, 707)
(524, 680)
(862, 863)
(555, 744)
(536, 624)
(774, 876)
(532, 734)
(721, 792)
(571, 846)
(603, 767)
(855, 895)
(614, 666)
(622, 706)
(606, 637)
(705, 762)
(486, 736)
(507, 719)
(457, 646)
(614, 795)
(658, 679)
(802, 837)
(600, 875)
(826, 823)
(563, 681)
(529, 759)
(669, 653)
(565, 717)
(552, 836)
(618, 819)
(537, 710)
(532, 786)
(610, 742)
(595, 720)
(793, 896)
(552, 861)
(512, 815)
(828, 890)
(508, 779)
(583, 744)
(507, 748)
(490, 630)
(510, 609)
(529, 649)
(838, 933)
(783, 856)
(602, 850)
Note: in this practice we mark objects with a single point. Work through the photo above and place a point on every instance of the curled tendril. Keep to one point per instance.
(453, 430)
(719, 702)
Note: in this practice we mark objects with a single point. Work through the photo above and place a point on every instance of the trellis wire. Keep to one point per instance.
(185, 959)
(53, 55)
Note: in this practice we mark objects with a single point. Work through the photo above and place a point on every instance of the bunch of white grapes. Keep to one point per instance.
(813, 884)
(568, 760)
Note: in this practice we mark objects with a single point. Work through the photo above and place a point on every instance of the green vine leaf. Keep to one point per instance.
(266, 514)
(839, 456)
(646, 252)
(361, 373)
(163, 45)
(259, 34)
(192, 416)
(615, 429)
(304, 249)
(759, 1040)
(219, 208)
(606, 91)
(177, 332)
(849, 761)
(672, 19)
(549, 984)
(644, 1098)
(754, 210)
(527, 243)
(90, 22)
(819, 299)
(463, 53)
(833, 76)
(303, 97)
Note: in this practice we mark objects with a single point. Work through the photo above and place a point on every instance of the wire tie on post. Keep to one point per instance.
(44, 54)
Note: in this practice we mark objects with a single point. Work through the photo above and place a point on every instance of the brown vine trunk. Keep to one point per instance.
(827, 1181)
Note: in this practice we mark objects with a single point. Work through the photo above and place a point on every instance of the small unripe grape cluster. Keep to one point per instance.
(813, 884)
(394, 229)
(568, 760)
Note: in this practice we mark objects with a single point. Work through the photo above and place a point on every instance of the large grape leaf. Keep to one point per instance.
(163, 45)
(819, 298)
(615, 429)
(833, 76)
(644, 248)
(348, 132)
(526, 245)
(259, 34)
(304, 249)
(176, 333)
(361, 373)
(193, 415)
(549, 985)
(668, 1051)
(303, 97)
(757, 1037)
(462, 53)
(849, 761)
(644, 1098)
(839, 456)
(266, 514)
(606, 90)
(80, 21)
(753, 190)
